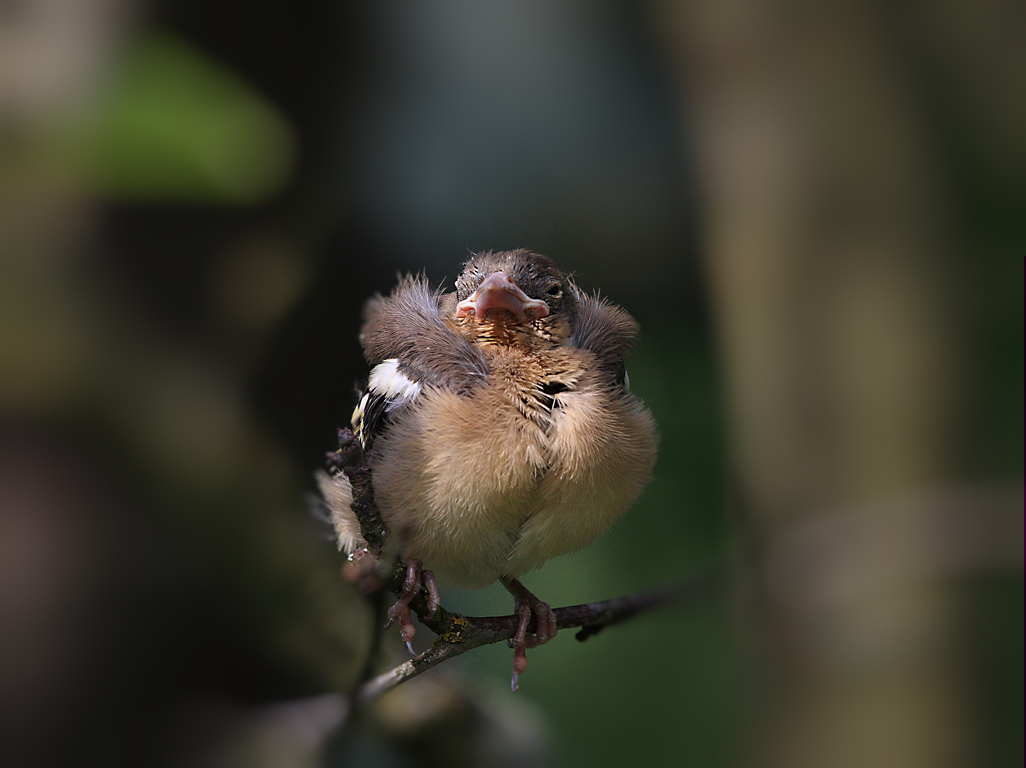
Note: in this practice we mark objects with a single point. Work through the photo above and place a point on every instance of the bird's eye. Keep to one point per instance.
(554, 290)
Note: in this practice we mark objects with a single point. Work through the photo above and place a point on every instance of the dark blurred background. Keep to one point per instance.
(815, 211)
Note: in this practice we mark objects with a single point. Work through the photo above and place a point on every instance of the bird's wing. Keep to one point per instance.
(391, 387)
(407, 340)
(409, 326)
(608, 332)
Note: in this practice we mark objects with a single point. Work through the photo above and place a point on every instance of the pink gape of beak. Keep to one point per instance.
(498, 291)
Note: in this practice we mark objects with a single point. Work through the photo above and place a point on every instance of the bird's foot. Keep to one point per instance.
(527, 607)
(416, 579)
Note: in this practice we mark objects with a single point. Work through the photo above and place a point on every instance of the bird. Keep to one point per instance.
(499, 427)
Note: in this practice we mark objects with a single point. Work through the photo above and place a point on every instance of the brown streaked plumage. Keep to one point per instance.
(498, 425)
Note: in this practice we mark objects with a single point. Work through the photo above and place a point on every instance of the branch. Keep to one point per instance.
(351, 460)
(458, 634)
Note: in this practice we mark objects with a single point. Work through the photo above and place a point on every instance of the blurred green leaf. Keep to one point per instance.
(176, 126)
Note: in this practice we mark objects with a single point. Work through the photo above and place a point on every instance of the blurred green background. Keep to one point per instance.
(815, 213)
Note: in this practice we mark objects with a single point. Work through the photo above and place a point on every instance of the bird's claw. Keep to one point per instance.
(416, 580)
(528, 607)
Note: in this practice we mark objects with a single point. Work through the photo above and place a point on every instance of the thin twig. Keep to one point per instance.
(458, 634)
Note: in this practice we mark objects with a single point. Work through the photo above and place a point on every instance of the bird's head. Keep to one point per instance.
(514, 296)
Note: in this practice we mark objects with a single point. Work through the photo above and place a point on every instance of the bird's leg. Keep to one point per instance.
(527, 606)
(415, 578)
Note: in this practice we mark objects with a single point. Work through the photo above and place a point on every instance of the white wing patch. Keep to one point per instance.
(388, 389)
(388, 381)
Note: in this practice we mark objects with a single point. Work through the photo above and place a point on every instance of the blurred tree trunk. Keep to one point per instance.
(840, 146)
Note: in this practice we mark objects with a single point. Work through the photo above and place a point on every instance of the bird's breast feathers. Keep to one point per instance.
(534, 463)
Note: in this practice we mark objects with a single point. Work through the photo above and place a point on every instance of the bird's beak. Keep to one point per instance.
(498, 291)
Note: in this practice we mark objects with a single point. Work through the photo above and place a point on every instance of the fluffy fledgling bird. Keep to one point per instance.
(499, 427)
